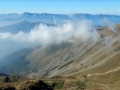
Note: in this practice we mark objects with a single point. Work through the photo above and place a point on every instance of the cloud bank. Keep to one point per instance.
(62, 32)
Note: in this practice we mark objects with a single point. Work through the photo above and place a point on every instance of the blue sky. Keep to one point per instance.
(60, 6)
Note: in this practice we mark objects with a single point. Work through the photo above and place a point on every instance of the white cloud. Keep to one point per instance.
(55, 34)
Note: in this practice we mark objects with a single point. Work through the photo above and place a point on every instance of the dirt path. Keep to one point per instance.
(110, 71)
(101, 85)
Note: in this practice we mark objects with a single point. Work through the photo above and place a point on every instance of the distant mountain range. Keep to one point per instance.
(51, 18)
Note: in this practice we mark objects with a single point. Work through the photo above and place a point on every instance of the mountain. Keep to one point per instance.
(24, 26)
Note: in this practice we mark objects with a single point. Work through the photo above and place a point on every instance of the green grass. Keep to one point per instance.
(59, 85)
(81, 84)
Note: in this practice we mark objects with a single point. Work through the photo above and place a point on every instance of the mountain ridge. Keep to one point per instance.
(24, 26)
(28, 13)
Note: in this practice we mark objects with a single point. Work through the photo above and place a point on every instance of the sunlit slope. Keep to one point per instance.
(76, 57)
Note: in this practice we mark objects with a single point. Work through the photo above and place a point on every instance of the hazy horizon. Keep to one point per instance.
(59, 13)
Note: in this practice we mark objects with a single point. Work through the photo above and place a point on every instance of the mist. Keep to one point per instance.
(111, 25)
(66, 31)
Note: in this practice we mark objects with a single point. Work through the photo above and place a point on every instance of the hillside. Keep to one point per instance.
(69, 54)
(1, 74)
(15, 62)
(79, 59)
